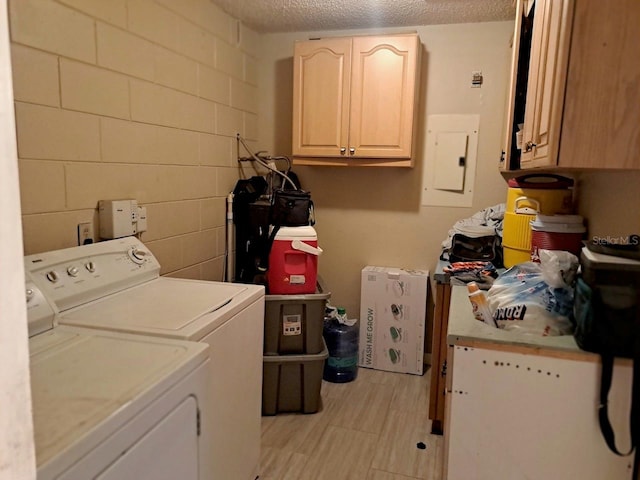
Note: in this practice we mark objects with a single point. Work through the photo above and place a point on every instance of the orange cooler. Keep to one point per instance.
(293, 261)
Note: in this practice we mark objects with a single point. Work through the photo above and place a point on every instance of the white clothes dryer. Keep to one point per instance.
(113, 406)
(116, 286)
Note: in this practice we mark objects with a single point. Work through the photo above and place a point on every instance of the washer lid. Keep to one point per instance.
(85, 384)
(170, 307)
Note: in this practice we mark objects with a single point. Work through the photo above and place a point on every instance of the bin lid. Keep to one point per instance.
(545, 181)
(305, 232)
(558, 224)
(600, 261)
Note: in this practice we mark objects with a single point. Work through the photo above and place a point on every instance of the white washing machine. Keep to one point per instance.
(115, 286)
(113, 406)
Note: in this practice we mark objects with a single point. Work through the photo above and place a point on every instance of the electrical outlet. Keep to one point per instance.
(85, 233)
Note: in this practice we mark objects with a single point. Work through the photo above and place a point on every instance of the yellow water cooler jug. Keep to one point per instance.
(527, 196)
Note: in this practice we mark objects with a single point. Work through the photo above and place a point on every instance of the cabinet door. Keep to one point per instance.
(601, 121)
(383, 84)
(525, 415)
(510, 119)
(546, 85)
(321, 97)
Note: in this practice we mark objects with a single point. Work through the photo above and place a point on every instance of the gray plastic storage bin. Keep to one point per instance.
(291, 383)
(293, 323)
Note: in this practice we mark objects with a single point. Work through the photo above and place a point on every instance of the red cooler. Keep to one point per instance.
(293, 261)
(557, 232)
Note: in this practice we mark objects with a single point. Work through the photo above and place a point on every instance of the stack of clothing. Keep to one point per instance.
(461, 273)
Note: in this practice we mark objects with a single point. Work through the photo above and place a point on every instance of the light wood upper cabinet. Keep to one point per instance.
(575, 86)
(321, 83)
(354, 100)
(545, 90)
(601, 123)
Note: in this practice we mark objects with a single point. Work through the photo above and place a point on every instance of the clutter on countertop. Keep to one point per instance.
(536, 298)
(556, 232)
(476, 224)
(477, 238)
(480, 306)
(528, 196)
(482, 273)
(463, 328)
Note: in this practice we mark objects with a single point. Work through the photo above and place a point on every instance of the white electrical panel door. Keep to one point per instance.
(450, 160)
(517, 416)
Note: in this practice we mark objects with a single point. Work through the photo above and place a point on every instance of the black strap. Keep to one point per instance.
(603, 409)
(264, 258)
(635, 396)
(634, 417)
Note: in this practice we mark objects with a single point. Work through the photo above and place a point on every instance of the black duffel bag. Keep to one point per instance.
(291, 208)
(475, 249)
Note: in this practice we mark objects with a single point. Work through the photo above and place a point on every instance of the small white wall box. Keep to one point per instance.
(118, 218)
(393, 308)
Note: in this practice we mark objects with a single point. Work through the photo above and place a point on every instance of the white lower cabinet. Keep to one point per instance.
(518, 415)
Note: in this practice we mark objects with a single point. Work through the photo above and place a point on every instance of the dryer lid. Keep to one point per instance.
(85, 384)
(171, 307)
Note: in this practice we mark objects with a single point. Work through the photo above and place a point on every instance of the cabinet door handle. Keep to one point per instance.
(352, 151)
(343, 150)
(529, 146)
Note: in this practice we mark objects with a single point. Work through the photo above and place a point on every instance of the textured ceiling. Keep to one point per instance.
(268, 16)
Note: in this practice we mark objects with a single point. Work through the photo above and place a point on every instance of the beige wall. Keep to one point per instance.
(374, 216)
(142, 99)
(132, 99)
(609, 202)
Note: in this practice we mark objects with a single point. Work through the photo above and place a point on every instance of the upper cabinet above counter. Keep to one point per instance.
(355, 100)
(575, 86)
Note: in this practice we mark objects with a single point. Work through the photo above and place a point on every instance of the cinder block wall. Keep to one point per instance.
(133, 99)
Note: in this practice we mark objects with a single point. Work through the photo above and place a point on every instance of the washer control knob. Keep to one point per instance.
(53, 276)
(137, 255)
(30, 293)
(90, 266)
(73, 271)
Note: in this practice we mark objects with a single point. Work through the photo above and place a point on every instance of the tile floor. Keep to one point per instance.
(367, 429)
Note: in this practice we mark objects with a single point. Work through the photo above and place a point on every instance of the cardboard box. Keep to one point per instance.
(393, 311)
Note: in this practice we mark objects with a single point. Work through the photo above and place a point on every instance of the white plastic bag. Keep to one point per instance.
(536, 298)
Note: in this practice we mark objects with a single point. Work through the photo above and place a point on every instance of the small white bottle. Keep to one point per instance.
(480, 305)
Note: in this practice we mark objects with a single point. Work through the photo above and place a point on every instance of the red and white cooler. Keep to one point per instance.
(556, 232)
(293, 261)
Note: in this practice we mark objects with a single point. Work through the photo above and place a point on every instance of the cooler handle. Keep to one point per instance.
(527, 210)
(305, 247)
